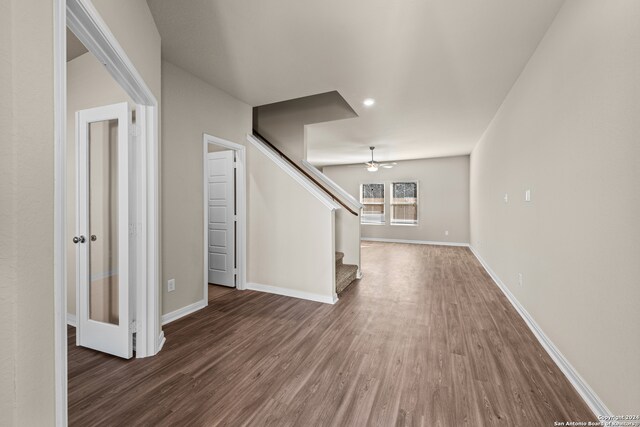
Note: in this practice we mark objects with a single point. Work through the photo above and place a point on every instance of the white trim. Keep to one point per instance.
(241, 205)
(60, 210)
(87, 24)
(161, 340)
(346, 197)
(588, 395)
(299, 177)
(71, 320)
(413, 242)
(293, 293)
(182, 312)
(391, 205)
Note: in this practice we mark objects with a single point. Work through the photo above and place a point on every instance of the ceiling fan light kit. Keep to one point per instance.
(372, 166)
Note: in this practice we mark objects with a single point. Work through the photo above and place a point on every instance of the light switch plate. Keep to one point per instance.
(527, 196)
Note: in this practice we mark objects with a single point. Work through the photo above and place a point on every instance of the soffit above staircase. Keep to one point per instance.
(283, 123)
(438, 69)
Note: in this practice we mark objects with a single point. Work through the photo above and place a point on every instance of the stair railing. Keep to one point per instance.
(305, 173)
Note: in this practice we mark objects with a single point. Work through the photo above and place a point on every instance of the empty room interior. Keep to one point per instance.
(337, 213)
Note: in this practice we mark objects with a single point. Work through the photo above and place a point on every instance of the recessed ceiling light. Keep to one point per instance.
(369, 102)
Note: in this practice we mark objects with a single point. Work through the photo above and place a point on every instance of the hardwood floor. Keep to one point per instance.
(216, 291)
(425, 338)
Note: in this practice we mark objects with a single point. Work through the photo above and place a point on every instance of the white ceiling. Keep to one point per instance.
(438, 69)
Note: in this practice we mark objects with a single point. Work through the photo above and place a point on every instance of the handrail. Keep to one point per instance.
(333, 185)
(293, 172)
(302, 171)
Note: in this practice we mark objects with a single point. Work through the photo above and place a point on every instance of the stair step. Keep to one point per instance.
(345, 274)
(339, 256)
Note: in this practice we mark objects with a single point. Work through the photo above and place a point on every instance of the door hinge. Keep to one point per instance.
(235, 218)
(133, 326)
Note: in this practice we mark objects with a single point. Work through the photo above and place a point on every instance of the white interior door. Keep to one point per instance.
(221, 208)
(102, 235)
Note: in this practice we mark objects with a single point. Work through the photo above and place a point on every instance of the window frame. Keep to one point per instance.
(417, 204)
(384, 203)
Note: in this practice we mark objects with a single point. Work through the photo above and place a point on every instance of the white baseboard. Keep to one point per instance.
(184, 311)
(292, 293)
(71, 320)
(413, 242)
(581, 386)
(161, 341)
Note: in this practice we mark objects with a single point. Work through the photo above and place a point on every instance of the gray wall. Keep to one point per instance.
(443, 193)
(283, 123)
(26, 214)
(569, 130)
(191, 107)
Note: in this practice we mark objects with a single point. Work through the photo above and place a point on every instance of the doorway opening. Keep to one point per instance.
(224, 208)
(115, 245)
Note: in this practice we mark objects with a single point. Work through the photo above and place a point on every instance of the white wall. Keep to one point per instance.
(26, 214)
(291, 233)
(569, 131)
(88, 85)
(443, 197)
(191, 107)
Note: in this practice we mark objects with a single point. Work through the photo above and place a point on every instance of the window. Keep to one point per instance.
(372, 197)
(404, 203)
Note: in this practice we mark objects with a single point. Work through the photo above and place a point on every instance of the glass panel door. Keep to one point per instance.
(103, 299)
(103, 221)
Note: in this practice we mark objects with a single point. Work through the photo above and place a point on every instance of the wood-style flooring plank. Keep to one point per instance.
(425, 338)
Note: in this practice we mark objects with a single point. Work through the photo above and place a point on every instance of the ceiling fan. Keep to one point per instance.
(373, 166)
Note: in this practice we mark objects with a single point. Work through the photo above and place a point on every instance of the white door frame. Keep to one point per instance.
(85, 21)
(241, 203)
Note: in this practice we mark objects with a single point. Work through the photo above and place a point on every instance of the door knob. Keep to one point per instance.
(79, 239)
(94, 238)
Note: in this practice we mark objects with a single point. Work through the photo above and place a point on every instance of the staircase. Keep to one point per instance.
(345, 273)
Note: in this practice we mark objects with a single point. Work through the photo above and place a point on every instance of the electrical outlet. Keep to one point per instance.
(520, 279)
(171, 285)
(446, 232)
